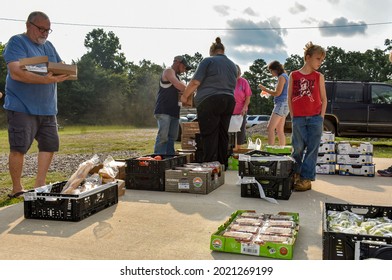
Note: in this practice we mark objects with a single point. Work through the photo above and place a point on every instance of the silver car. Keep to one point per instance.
(253, 120)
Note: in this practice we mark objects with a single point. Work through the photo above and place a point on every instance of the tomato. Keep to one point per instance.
(143, 163)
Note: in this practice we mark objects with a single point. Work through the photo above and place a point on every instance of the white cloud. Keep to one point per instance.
(253, 40)
(298, 8)
(249, 11)
(222, 10)
(343, 27)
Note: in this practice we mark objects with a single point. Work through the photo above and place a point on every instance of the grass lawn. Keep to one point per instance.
(106, 139)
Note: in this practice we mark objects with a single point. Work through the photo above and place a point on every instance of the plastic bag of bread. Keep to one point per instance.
(239, 236)
(262, 238)
(90, 183)
(81, 173)
(109, 170)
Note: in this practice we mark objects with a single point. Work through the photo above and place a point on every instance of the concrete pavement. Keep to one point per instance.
(150, 225)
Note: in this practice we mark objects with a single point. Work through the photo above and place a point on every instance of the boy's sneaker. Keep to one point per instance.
(386, 172)
(303, 185)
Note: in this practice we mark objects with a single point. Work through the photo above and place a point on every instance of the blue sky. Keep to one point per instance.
(250, 29)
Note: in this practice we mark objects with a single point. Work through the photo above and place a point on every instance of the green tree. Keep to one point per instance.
(294, 62)
(335, 64)
(388, 44)
(97, 97)
(259, 74)
(376, 65)
(143, 82)
(194, 61)
(104, 48)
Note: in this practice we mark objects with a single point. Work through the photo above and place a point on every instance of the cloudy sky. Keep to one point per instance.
(158, 30)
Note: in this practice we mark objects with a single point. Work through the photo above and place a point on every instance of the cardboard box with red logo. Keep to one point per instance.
(189, 181)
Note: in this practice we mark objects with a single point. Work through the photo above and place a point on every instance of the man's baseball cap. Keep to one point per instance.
(182, 59)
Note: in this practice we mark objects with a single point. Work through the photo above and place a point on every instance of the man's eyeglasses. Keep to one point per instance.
(41, 29)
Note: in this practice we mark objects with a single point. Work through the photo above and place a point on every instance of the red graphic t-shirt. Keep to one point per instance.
(305, 97)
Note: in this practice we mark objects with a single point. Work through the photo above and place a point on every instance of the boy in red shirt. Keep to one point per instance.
(307, 104)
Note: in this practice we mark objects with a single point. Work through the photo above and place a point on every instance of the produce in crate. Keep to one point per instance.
(144, 161)
(348, 222)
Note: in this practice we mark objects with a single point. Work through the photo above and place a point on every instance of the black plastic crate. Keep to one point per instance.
(278, 188)
(342, 246)
(374, 250)
(150, 174)
(69, 207)
(148, 182)
(265, 164)
(140, 166)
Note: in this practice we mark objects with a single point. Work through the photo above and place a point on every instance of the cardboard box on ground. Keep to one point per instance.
(188, 136)
(41, 64)
(193, 181)
(258, 234)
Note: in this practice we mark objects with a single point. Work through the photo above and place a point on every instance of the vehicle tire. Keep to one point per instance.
(329, 126)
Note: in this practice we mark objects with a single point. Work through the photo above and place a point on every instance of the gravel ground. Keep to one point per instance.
(67, 164)
(261, 129)
(63, 163)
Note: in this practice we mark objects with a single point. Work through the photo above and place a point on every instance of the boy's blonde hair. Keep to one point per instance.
(311, 49)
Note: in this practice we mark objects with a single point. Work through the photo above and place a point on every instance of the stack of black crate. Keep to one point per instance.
(272, 171)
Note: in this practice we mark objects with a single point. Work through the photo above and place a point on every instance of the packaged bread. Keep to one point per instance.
(240, 236)
(242, 228)
(281, 217)
(289, 232)
(252, 215)
(249, 221)
(262, 238)
(80, 175)
(280, 223)
(109, 170)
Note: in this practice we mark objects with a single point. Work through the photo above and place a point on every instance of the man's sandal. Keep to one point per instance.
(16, 195)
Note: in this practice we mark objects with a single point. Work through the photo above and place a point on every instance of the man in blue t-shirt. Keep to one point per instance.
(31, 101)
